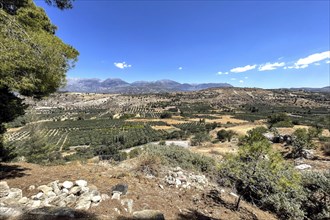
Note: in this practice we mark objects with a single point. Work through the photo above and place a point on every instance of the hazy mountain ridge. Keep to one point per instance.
(308, 89)
(120, 86)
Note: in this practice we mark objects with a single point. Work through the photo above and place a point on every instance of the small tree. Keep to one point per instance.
(254, 135)
(199, 138)
(279, 120)
(301, 140)
(258, 173)
(224, 135)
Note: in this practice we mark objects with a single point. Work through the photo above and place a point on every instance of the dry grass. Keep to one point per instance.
(223, 119)
(219, 149)
(160, 127)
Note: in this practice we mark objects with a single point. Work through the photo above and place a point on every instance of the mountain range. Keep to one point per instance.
(120, 86)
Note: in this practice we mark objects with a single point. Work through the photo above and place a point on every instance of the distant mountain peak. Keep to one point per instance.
(116, 85)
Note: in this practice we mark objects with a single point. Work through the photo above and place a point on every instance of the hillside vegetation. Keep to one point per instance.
(270, 147)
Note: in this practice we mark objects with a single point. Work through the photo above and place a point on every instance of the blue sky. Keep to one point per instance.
(267, 44)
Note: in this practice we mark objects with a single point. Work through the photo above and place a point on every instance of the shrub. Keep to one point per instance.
(135, 152)
(300, 140)
(263, 177)
(254, 135)
(178, 156)
(224, 135)
(326, 148)
(166, 115)
(280, 120)
(315, 132)
(275, 118)
(110, 152)
(317, 188)
(150, 164)
(199, 138)
(285, 124)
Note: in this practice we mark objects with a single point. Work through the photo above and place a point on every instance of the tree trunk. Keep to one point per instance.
(238, 203)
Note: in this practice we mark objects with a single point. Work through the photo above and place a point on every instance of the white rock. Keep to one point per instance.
(51, 194)
(15, 193)
(38, 196)
(23, 200)
(83, 204)
(33, 204)
(96, 198)
(177, 182)
(303, 166)
(75, 190)
(9, 213)
(70, 200)
(65, 190)
(55, 187)
(81, 183)
(67, 184)
(45, 189)
(45, 203)
(61, 203)
(84, 189)
(116, 195)
(105, 197)
(4, 189)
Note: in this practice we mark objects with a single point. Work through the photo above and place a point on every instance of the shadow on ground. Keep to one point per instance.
(8, 171)
(48, 213)
(194, 215)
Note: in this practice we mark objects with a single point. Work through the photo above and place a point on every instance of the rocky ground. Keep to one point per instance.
(105, 191)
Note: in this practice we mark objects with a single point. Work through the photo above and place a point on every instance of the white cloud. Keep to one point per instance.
(241, 81)
(180, 68)
(233, 79)
(270, 66)
(226, 73)
(122, 65)
(246, 77)
(221, 73)
(243, 69)
(317, 64)
(328, 61)
(314, 58)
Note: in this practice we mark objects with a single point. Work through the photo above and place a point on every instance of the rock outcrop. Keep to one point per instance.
(186, 180)
(55, 195)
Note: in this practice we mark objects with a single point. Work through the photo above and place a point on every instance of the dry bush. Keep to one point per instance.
(326, 149)
(149, 164)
